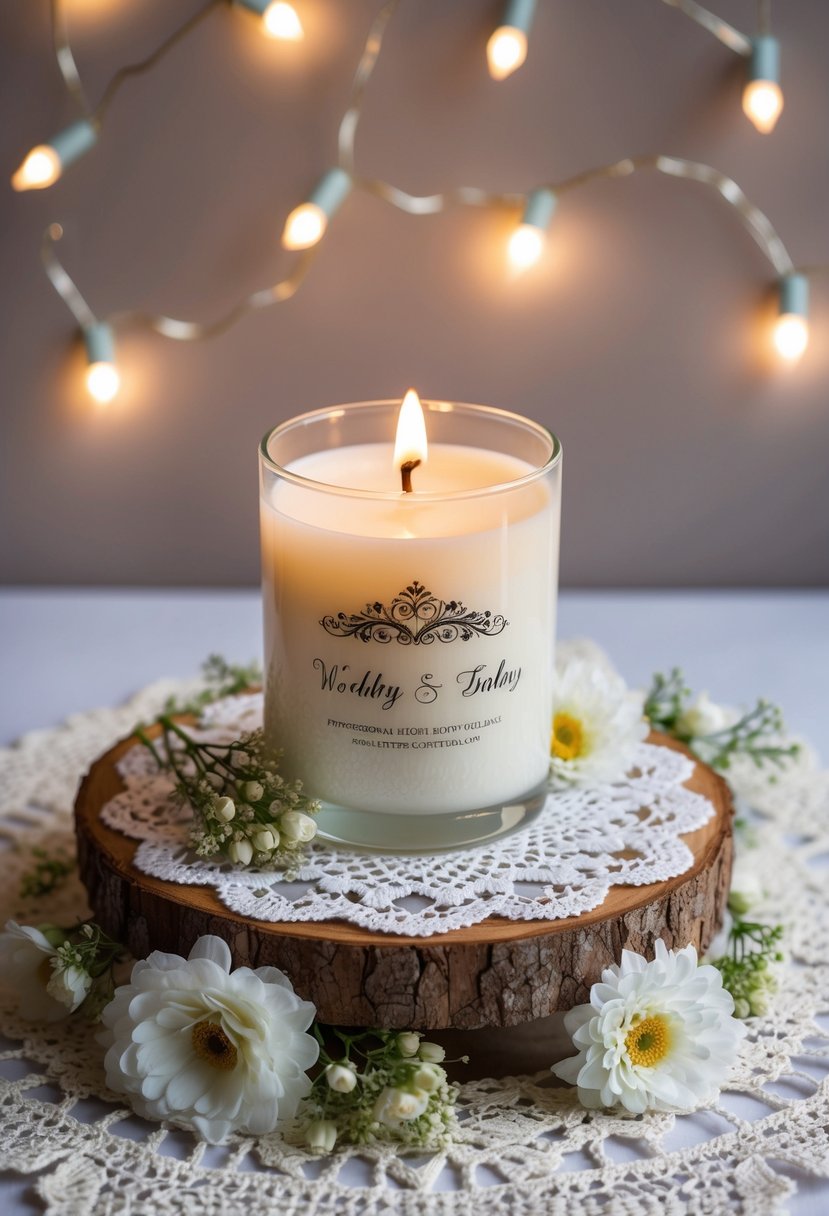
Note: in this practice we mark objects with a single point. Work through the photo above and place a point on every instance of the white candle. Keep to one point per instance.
(409, 636)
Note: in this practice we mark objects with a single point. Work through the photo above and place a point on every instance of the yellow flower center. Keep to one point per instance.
(568, 739)
(648, 1042)
(212, 1044)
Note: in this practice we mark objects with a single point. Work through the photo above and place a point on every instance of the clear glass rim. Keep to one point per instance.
(430, 405)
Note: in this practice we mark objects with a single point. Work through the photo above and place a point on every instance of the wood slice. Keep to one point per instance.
(498, 973)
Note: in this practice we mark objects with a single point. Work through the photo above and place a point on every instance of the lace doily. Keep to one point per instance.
(584, 842)
(525, 1145)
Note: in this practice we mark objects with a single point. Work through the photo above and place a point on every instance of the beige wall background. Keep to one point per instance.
(689, 458)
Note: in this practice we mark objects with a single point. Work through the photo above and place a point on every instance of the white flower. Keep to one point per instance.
(597, 724)
(69, 984)
(408, 1043)
(26, 970)
(321, 1135)
(240, 852)
(656, 1035)
(341, 1077)
(225, 809)
(296, 826)
(205, 1047)
(429, 1077)
(702, 717)
(265, 840)
(254, 790)
(396, 1106)
(432, 1052)
(718, 946)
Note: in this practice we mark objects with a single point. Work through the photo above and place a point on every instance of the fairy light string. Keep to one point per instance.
(307, 224)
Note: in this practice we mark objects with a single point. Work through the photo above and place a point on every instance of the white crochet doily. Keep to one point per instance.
(584, 842)
(525, 1145)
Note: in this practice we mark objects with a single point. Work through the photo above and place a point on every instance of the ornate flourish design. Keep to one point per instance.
(414, 617)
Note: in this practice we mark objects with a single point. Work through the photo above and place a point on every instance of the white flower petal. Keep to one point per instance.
(213, 948)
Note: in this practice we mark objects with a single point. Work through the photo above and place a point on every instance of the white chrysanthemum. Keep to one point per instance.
(656, 1035)
(26, 970)
(597, 723)
(202, 1046)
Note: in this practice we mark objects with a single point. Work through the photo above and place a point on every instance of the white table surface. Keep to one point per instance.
(62, 651)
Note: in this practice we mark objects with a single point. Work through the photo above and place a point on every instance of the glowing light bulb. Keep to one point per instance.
(791, 336)
(763, 103)
(525, 246)
(307, 223)
(762, 97)
(791, 329)
(281, 21)
(527, 241)
(410, 445)
(304, 226)
(103, 381)
(506, 51)
(40, 169)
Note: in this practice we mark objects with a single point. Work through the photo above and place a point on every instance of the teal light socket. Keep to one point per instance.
(518, 14)
(73, 141)
(794, 295)
(765, 58)
(539, 208)
(99, 341)
(331, 191)
(255, 6)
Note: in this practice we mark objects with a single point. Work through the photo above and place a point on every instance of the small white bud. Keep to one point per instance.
(265, 841)
(225, 809)
(408, 1043)
(321, 1136)
(296, 826)
(341, 1077)
(433, 1053)
(429, 1077)
(254, 790)
(240, 852)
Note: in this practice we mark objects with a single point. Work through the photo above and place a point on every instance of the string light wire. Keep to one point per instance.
(755, 221)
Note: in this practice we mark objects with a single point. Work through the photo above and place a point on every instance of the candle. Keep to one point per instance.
(409, 604)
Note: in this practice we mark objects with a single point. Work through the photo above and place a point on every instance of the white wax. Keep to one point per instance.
(379, 724)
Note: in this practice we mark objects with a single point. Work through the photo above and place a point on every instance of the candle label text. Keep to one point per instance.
(415, 617)
(371, 685)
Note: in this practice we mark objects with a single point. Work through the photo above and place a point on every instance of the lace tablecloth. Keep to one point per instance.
(524, 1146)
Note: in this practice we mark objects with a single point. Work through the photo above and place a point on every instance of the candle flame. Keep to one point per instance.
(410, 444)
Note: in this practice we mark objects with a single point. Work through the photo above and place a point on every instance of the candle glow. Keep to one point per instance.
(410, 443)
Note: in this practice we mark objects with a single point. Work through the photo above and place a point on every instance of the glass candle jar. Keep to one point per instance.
(409, 636)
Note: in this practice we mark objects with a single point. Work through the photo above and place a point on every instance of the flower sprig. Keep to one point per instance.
(242, 808)
(716, 735)
(383, 1086)
(222, 679)
(747, 968)
(55, 971)
(46, 874)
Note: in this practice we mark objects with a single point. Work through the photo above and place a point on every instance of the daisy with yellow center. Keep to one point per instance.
(597, 723)
(656, 1035)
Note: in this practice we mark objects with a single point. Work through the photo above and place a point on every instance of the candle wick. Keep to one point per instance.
(406, 474)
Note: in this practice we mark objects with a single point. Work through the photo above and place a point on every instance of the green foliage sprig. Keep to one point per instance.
(242, 807)
(757, 734)
(47, 874)
(746, 968)
(382, 1086)
(222, 679)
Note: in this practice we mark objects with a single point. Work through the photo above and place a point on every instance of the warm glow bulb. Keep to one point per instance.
(103, 381)
(281, 21)
(40, 169)
(791, 336)
(762, 103)
(304, 226)
(506, 51)
(410, 443)
(525, 246)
